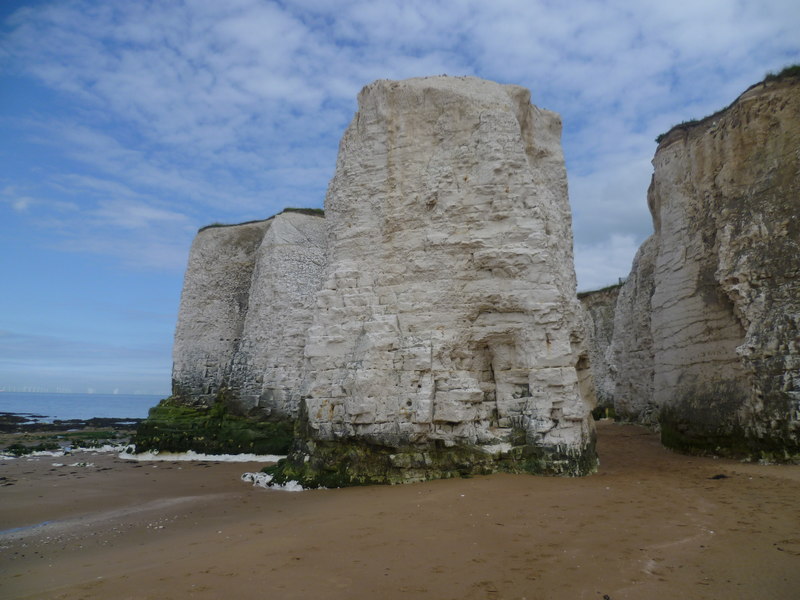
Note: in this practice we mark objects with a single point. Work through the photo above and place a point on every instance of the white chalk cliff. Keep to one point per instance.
(428, 326)
(247, 302)
(448, 315)
(706, 328)
(598, 316)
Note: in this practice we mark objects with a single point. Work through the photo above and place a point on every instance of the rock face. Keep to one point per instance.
(428, 327)
(598, 316)
(288, 273)
(706, 333)
(247, 302)
(631, 351)
(447, 335)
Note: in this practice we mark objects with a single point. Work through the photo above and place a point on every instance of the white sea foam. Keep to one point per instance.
(39, 453)
(66, 452)
(99, 449)
(130, 454)
(32, 455)
(265, 481)
(75, 464)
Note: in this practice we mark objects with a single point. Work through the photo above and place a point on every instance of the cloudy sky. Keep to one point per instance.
(127, 125)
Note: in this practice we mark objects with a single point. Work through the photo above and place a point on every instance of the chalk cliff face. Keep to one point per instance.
(448, 317)
(288, 273)
(598, 316)
(247, 301)
(719, 283)
(631, 351)
(427, 327)
(213, 309)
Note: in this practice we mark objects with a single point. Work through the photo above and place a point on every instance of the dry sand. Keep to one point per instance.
(650, 524)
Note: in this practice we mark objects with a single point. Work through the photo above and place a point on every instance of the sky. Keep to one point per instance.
(127, 125)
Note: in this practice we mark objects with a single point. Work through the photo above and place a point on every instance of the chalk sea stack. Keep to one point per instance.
(447, 337)
(436, 328)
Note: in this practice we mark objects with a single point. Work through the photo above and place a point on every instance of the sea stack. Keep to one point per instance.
(447, 337)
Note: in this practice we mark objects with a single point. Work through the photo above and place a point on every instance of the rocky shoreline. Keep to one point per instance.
(25, 433)
(29, 422)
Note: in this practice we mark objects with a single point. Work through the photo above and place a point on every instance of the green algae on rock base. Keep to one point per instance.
(173, 426)
(708, 423)
(681, 435)
(356, 462)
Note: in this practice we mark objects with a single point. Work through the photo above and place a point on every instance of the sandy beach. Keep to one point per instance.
(650, 524)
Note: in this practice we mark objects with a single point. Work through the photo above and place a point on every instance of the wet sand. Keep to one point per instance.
(650, 524)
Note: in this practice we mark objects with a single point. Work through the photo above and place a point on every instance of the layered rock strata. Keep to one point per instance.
(598, 316)
(707, 324)
(248, 299)
(447, 336)
(247, 302)
(631, 351)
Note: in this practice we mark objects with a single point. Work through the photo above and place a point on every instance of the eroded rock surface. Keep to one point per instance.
(721, 276)
(631, 352)
(599, 308)
(214, 302)
(247, 302)
(447, 335)
(288, 273)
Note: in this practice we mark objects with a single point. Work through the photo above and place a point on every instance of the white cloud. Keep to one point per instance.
(146, 252)
(132, 215)
(604, 263)
(150, 119)
(21, 204)
(209, 111)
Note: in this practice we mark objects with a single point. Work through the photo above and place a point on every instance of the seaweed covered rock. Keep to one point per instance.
(174, 426)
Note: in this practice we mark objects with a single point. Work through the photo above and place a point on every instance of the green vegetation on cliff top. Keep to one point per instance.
(770, 77)
(313, 212)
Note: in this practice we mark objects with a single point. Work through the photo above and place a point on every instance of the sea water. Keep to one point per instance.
(49, 407)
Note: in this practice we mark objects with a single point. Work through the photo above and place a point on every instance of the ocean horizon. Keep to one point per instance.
(48, 407)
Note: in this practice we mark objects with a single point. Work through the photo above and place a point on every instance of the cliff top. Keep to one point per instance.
(461, 85)
(313, 212)
(789, 74)
(609, 289)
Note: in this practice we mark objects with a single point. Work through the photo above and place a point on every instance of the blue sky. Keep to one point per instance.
(125, 126)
